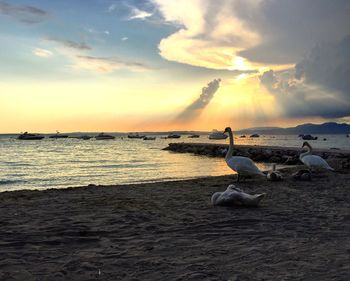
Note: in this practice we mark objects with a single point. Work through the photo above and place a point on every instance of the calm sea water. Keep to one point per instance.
(61, 163)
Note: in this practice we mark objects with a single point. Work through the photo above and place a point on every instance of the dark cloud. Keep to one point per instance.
(25, 14)
(70, 44)
(328, 65)
(319, 85)
(288, 28)
(194, 109)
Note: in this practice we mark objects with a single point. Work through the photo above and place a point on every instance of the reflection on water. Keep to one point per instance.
(70, 162)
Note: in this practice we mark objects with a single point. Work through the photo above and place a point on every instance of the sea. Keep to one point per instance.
(62, 163)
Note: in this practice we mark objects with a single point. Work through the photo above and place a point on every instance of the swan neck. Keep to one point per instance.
(230, 149)
(308, 152)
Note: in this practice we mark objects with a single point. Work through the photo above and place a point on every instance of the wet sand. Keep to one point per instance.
(170, 231)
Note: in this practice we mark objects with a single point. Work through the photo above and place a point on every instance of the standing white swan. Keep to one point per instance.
(234, 196)
(242, 165)
(313, 161)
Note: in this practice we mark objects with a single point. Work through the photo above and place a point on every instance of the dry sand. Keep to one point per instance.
(170, 231)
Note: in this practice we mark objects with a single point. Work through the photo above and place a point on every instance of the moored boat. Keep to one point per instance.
(135, 136)
(173, 136)
(58, 135)
(28, 136)
(82, 137)
(149, 138)
(103, 136)
(308, 137)
(216, 135)
(193, 136)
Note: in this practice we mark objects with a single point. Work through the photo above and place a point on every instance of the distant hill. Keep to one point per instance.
(325, 128)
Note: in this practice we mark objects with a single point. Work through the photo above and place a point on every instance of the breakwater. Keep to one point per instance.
(267, 154)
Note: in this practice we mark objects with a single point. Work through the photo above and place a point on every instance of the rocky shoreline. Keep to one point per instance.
(268, 154)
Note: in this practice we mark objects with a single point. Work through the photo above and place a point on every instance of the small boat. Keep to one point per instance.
(84, 137)
(135, 136)
(308, 137)
(193, 136)
(254, 136)
(103, 136)
(28, 136)
(58, 136)
(149, 138)
(173, 136)
(216, 135)
(242, 136)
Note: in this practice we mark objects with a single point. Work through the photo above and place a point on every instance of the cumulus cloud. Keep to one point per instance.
(42, 53)
(210, 34)
(272, 33)
(195, 108)
(70, 44)
(25, 14)
(106, 64)
(318, 85)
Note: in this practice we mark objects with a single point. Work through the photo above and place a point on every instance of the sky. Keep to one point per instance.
(161, 65)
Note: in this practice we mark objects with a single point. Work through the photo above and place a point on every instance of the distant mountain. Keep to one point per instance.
(326, 128)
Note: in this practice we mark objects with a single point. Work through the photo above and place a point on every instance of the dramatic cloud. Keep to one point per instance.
(328, 65)
(210, 33)
(70, 44)
(318, 86)
(25, 14)
(249, 34)
(106, 64)
(199, 104)
(289, 29)
(42, 53)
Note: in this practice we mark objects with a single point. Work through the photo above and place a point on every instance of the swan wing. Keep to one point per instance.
(315, 161)
(242, 164)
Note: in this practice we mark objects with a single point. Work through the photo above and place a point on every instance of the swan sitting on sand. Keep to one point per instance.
(242, 165)
(234, 196)
(313, 161)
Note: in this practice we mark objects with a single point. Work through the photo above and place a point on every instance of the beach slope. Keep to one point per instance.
(170, 231)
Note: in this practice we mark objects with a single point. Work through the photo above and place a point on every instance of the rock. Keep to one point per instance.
(275, 159)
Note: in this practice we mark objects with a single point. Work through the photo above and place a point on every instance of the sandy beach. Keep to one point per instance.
(170, 231)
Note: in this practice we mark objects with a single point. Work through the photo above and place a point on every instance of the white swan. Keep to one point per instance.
(274, 175)
(242, 165)
(234, 196)
(313, 161)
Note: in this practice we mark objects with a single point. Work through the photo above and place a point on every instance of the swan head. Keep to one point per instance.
(232, 187)
(227, 129)
(215, 197)
(306, 144)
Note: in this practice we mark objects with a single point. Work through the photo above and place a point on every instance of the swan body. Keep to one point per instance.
(234, 196)
(274, 175)
(313, 161)
(242, 165)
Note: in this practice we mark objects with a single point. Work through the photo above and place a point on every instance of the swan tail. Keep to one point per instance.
(261, 197)
(258, 198)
